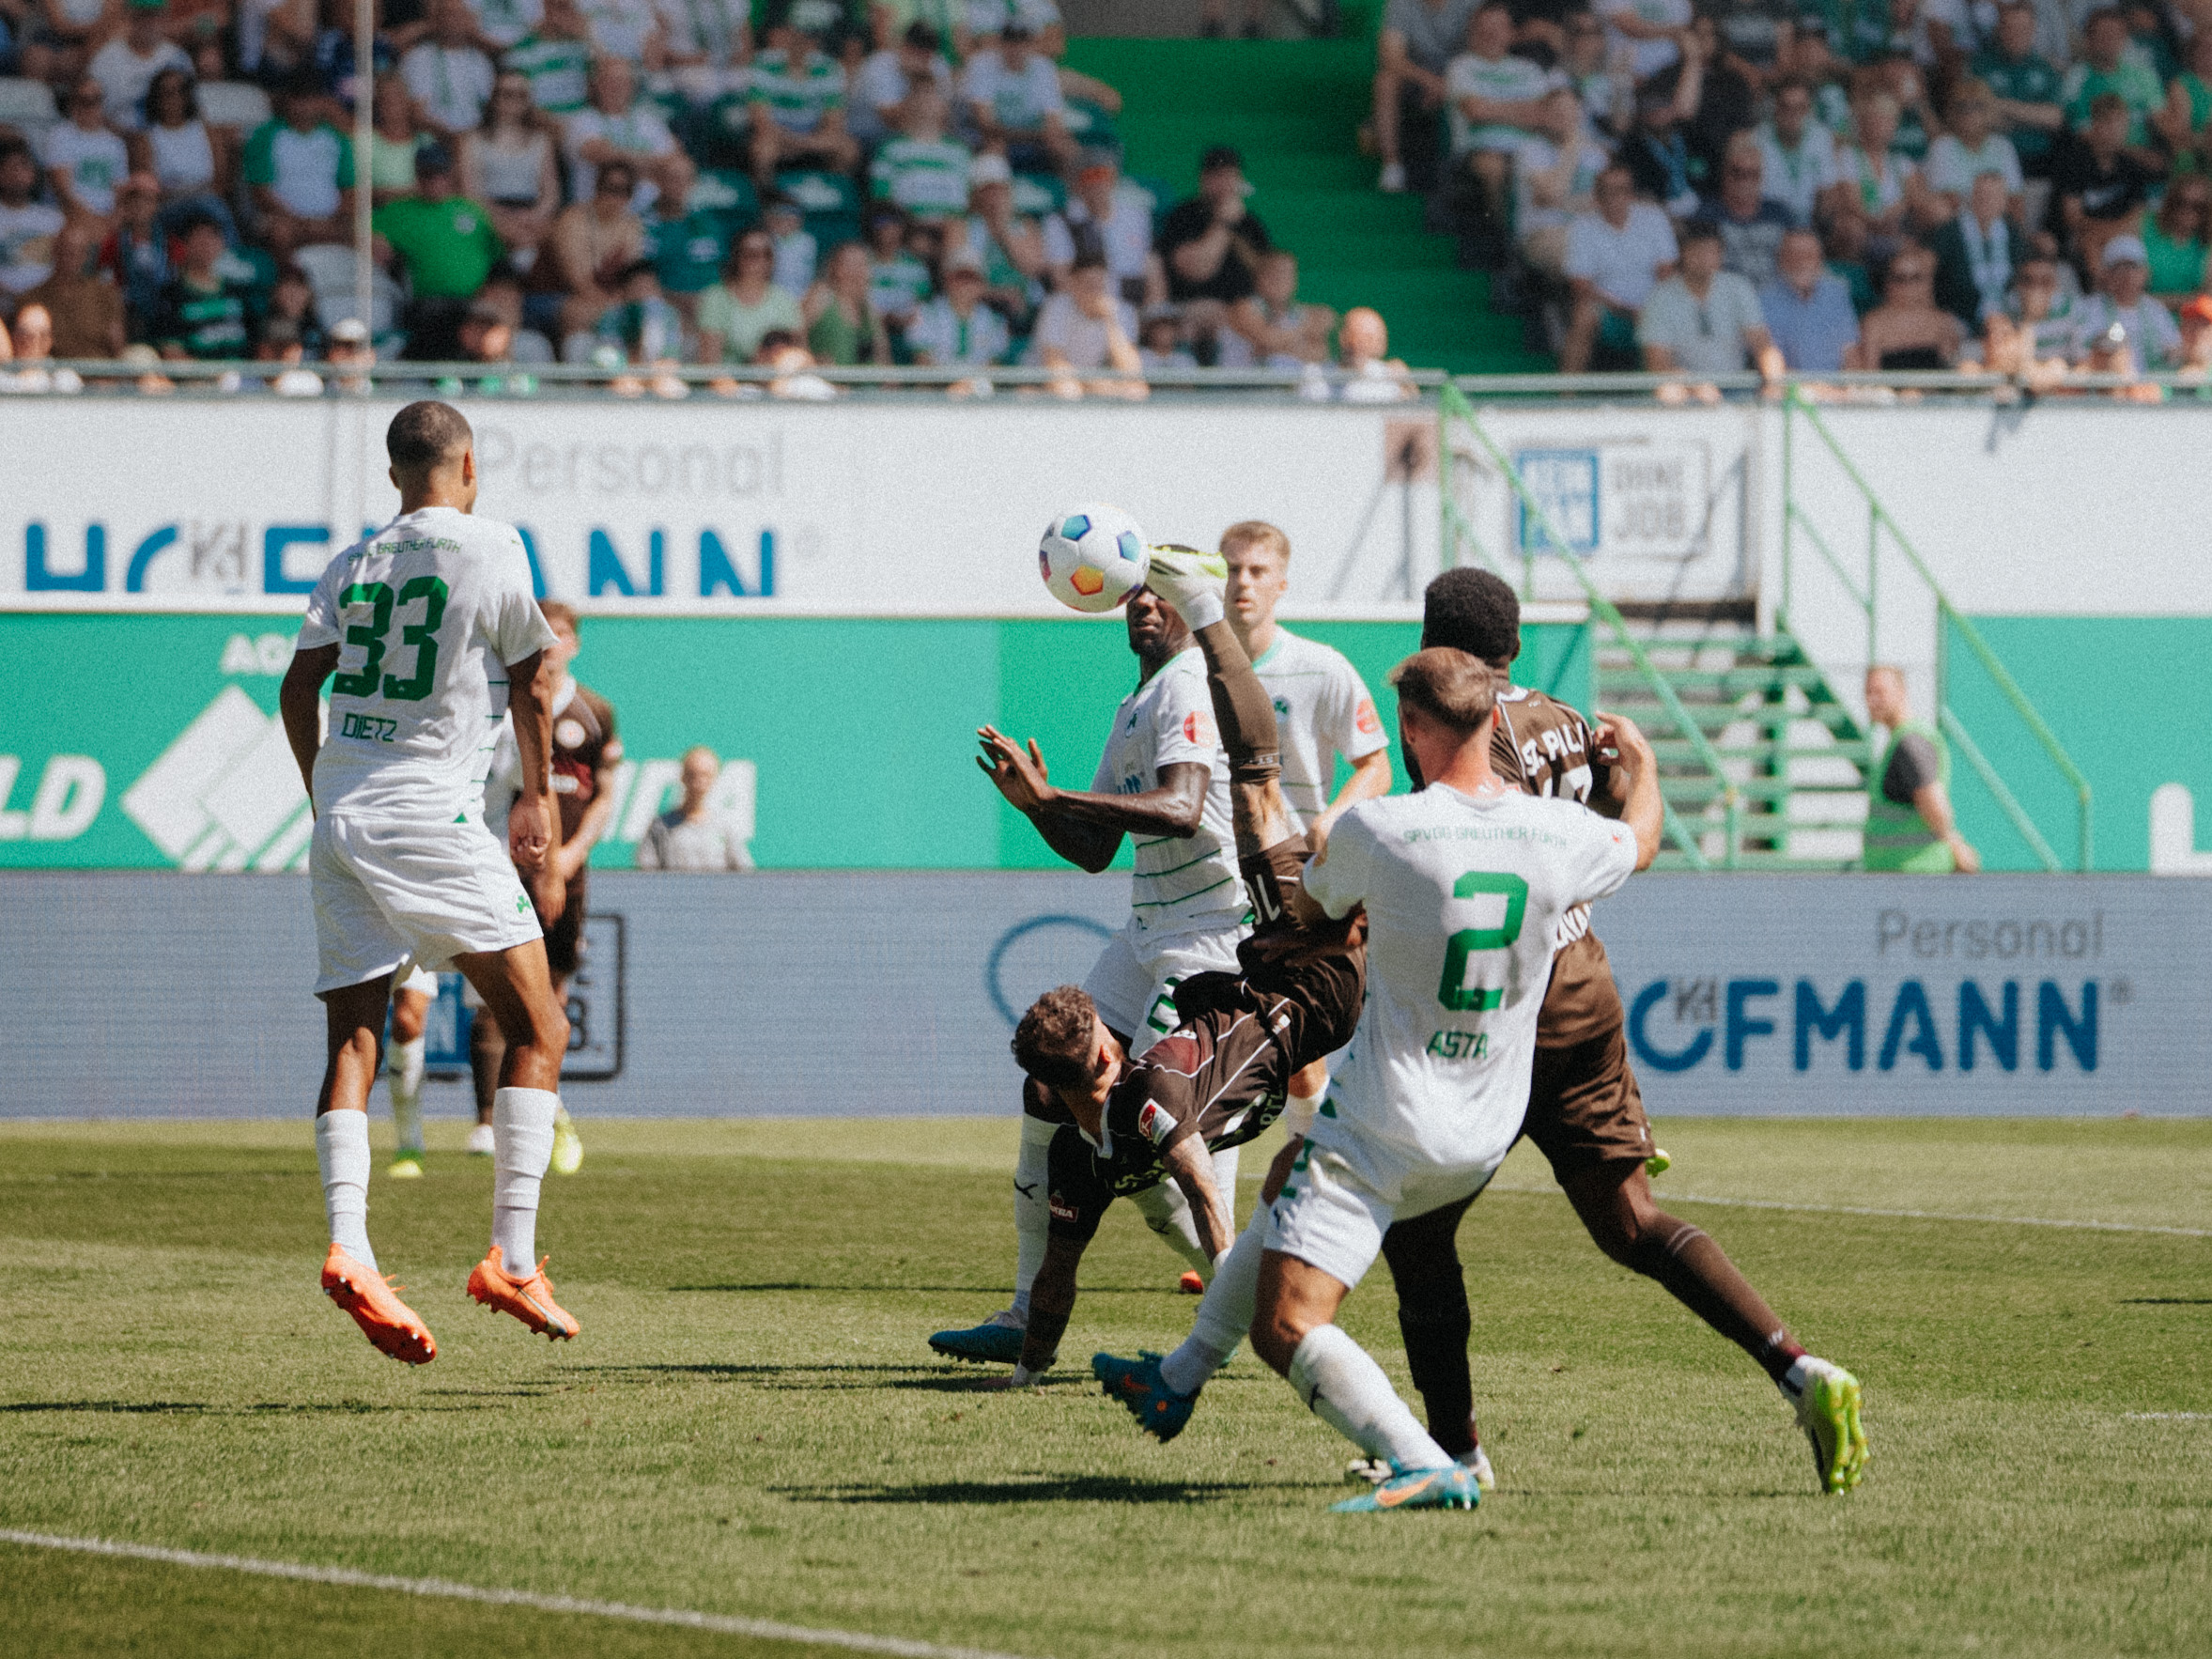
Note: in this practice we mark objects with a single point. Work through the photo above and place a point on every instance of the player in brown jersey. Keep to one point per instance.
(1221, 1076)
(586, 752)
(1586, 1113)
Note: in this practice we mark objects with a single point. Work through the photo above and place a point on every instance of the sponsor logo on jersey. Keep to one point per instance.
(1366, 719)
(1155, 1123)
(1197, 728)
(1061, 1209)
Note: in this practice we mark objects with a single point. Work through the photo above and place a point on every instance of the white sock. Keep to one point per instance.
(403, 1062)
(521, 1147)
(1033, 1208)
(1202, 610)
(1224, 1317)
(1167, 1212)
(342, 1152)
(1224, 1182)
(1348, 1391)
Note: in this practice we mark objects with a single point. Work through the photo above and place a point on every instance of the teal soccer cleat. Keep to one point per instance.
(1158, 1409)
(996, 1341)
(1450, 1488)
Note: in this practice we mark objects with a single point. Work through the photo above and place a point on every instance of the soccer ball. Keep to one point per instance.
(1091, 556)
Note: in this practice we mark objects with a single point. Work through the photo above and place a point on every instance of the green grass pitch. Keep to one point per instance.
(751, 1423)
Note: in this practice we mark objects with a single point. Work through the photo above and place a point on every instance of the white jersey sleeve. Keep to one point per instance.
(1601, 857)
(1336, 878)
(513, 624)
(1353, 725)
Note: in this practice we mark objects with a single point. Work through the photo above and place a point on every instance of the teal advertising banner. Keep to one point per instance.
(151, 742)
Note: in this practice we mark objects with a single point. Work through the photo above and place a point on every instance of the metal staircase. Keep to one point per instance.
(1770, 736)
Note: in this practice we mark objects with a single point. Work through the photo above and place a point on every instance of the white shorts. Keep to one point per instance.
(418, 979)
(1332, 1217)
(387, 891)
(1134, 982)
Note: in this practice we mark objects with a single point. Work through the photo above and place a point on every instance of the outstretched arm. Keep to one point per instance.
(1193, 1171)
(1085, 827)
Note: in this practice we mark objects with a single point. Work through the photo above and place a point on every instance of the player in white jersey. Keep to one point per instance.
(1322, 712)
(429, 624)
(1163, 782)
(1463, 887)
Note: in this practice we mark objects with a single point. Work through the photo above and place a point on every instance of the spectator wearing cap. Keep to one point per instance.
(135, 255)
(445, 245)
(448, 74)
(1705, 319)
(697, 836)
(351, 353)
(1491, 98)
(1616, 255)
(203, 312)
(83, 308)
(1086, 328)
(28, 226)
(1796, 154)
(741, 310)
(2107, 68)
(1211, 245)
(797, 102)
(1270, 327)
(1808, 308)
(300, 169)
(922, 170)
(509, 165)
(1976, 251)
(614, 124)
(1012, 99)
(126, 66)
(84, 162)
(886, 81)
(1908, 331)
(1418, 40)
(1750, 223)
(957, 330)
(1102, 218)
(2122, 300)
(2099, 185)
(593, 243)
(1010, 246)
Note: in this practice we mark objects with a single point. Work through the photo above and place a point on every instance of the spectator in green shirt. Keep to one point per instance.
(686, 245)
(2189, 106)
(2028, 110)
(445, 243)
(202, 313)
(2104, 67)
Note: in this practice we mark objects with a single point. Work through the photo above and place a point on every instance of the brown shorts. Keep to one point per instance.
(564, 937)
(1584, 1107)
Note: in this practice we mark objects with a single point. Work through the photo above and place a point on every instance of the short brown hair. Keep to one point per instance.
(426, 435)
(1053, 1042)
(1449, 687)
(558, 613)
(1251, 531)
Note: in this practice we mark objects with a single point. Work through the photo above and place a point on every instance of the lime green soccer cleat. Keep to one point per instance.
(1827, 1401)
(1183, 574)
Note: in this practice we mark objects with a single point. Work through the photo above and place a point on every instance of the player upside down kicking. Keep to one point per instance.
(1222, 1075)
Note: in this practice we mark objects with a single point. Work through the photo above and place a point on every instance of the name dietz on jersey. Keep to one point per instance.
(369, 726)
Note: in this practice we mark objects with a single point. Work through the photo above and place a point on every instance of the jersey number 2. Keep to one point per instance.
(371, 638)
(1453, 990)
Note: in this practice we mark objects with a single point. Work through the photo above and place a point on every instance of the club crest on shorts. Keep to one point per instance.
(1155, 1123)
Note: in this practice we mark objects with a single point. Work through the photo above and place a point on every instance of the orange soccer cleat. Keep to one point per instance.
(388, 1323)
(1190, 1285)
(529, 1299)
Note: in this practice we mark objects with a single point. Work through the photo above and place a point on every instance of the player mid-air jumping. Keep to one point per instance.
(430, 627)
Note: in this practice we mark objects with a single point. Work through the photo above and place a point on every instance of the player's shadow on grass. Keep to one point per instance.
(173, 1408)
(2166, 1301)
(1062, 1489)
(927, 1375)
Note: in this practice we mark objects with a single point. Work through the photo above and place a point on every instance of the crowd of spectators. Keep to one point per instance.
(629, 184)
(1819, 185)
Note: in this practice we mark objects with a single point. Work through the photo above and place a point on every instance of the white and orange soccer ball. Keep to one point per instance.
(1092, 556)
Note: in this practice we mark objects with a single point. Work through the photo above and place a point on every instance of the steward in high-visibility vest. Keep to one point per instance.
(1909, 822)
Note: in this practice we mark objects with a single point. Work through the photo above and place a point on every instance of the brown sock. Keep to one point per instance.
(1685, 1260)
(1242, 708)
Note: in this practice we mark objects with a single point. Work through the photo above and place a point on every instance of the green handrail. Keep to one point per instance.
(1879, 520)
(1451, 405)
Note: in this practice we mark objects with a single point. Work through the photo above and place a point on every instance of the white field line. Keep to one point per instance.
(1767, 1203)
(2167, 1417)
(722, 1624)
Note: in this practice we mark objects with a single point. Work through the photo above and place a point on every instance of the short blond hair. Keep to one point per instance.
(1449, 687)
(1255, 533)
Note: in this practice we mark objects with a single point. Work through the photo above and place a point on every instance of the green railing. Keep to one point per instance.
(1459, 531)
(1796, 407)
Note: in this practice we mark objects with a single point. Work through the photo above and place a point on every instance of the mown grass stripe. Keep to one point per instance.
(1770, 1203)
(766, 1630)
